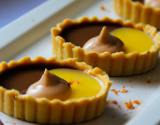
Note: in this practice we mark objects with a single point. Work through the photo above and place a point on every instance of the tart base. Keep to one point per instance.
(137, 12)
(42, 110)
(116, 64)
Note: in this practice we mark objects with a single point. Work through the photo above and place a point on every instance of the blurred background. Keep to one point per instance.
(10, 10)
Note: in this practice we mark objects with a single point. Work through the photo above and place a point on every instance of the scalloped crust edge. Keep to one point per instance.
(137, 12)
(116, 64)
(42, 110)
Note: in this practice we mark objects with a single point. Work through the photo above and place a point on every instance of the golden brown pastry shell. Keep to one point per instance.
(116, 64)
(42, 110)
(137, 12)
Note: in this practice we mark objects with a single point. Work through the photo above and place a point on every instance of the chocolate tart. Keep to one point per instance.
(137, 12)
(42, 110)
(115, 64)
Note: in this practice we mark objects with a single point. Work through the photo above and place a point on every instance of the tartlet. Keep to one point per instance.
(42, 110)
(137, 12)
(115, 64)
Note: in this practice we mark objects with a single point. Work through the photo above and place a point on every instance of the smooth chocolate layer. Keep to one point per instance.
(80, 34)
(22, 77)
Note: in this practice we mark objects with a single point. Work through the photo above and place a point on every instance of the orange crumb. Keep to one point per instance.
(129, 105)
(124, 114)
(119, 91)
(148, 81)
(114, 117)
(131, 86)
(111, 102)
(103, 8)
(115, 91)
(119, 106)
(71, 82)
(134, 98)
(124, 90)
(32, 19)
(136, 102)
(130, 81)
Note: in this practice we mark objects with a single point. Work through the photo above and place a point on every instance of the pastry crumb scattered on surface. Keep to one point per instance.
(148, 81)
(124, 114)
(111, 102)
(131, 86)
(115, 91)
(32, 19)
(124, 90)
(136, 102)
(103, 8)
(119, 106)
(130, 80)
(129, 104)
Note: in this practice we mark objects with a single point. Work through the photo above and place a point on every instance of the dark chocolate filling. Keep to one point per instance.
(20, 78)
(81, 33)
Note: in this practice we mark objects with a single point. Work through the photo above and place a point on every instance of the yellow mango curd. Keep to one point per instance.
(133, 39)
(82, 85)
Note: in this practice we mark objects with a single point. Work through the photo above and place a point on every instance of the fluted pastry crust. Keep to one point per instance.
(42, 110)
(116, 64)
(137, 12)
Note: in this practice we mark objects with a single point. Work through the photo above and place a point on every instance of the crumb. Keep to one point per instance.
(130, 81)
(103, 8)
(149, 77)
(146, 93)
(119, 106)
(124, 114)
(113, 117)
(129, 105)
(124, 90)
(32, 19)
(155, 79)
(131, 86)
(115, 91)
(136, 102)
(133, 97)
(71, 82)
(111, 102)
(148, 81)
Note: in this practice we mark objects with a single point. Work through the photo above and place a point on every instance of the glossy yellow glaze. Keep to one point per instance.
(134, 40)
(84, 85)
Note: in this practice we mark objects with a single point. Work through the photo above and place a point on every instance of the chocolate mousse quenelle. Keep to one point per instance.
(104, 43)
(51, 87)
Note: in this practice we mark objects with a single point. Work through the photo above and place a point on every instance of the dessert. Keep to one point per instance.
(139, 11)
(17, 76)
(70, 36)
(104, 42)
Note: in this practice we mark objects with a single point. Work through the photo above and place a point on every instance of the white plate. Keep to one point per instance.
(33, 39)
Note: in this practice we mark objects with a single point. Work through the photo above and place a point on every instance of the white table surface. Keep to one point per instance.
(10, 10)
